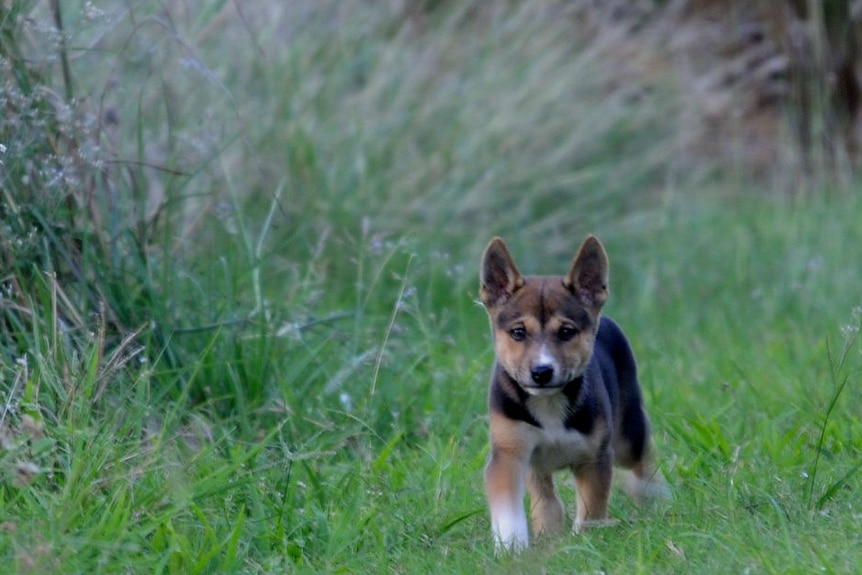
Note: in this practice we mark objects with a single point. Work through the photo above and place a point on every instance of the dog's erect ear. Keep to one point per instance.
(588, 277)
(499, 278)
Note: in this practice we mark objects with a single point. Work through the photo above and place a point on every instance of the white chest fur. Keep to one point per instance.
(554, 446)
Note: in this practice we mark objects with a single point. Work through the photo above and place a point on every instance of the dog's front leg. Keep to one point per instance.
(593, 485)
(546, 511)
(504, 486)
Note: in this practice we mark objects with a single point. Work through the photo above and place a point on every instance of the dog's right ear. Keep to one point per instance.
(499, 278)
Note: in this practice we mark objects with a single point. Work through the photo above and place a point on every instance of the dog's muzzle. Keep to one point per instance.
(542, 374)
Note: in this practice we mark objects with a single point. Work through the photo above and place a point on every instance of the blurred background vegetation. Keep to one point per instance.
(228, 221)
(144, 144)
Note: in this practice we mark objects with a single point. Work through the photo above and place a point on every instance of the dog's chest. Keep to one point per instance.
(555, 445)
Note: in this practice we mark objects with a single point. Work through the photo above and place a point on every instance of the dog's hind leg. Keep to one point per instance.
(635, 454)
(643, 481)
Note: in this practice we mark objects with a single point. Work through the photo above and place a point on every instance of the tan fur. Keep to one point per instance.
(544, 330)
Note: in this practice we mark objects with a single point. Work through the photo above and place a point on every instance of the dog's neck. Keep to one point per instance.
(515, 400)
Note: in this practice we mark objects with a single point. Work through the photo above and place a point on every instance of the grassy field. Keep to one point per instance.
(238, 328)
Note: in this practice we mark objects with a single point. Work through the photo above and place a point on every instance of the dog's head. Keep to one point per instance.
(544, 326)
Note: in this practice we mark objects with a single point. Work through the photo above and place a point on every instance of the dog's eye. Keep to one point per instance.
(566, 333)
(518, 333)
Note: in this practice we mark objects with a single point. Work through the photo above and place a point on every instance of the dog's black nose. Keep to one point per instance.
(542, 374)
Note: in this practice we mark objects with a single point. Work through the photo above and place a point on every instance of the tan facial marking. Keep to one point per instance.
(543, 334)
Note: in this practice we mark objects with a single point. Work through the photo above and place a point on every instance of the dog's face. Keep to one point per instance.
(544, 327)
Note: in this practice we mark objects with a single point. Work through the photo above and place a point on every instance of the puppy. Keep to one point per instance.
(563, 394)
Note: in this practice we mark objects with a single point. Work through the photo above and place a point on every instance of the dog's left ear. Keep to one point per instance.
(588, 276)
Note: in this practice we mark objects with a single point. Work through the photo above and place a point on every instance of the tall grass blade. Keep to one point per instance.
(837, 390)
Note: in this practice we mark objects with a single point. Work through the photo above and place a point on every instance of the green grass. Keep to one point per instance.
(251, 344)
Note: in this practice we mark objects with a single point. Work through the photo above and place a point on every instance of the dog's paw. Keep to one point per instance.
(656, 490)
(641, 489)
(508, 548)
(510, 532)
(593, 524)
